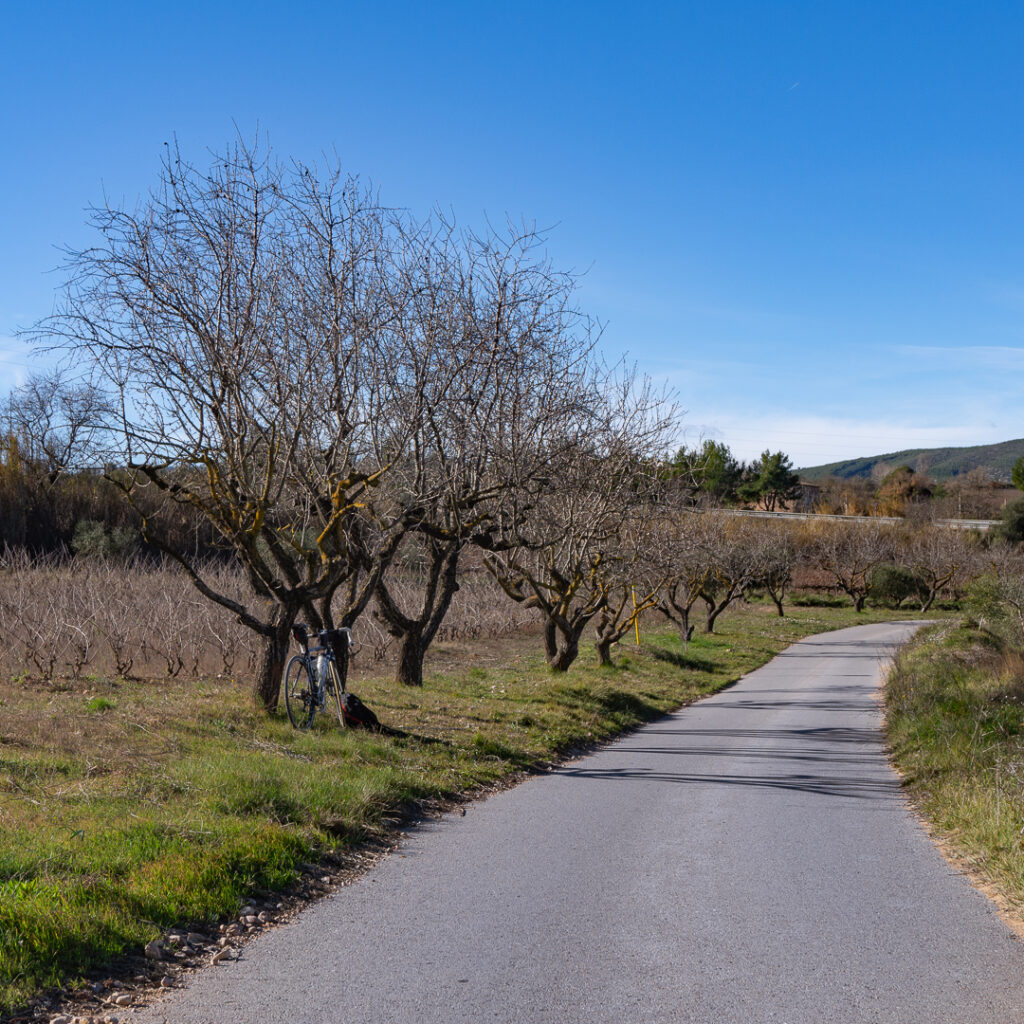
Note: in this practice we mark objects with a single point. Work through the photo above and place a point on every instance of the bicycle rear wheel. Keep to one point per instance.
(299, 693)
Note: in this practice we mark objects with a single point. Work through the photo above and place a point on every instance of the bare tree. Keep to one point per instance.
(682, 542)
(630, 580)
(773, 554)
(241, 320)
(510, 357)
(60, 418)
(600, 477)
(938, 557)
(733, 565)
(556, 570)
(848, 552)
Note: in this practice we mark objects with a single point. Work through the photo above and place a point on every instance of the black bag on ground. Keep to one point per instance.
(357, 714)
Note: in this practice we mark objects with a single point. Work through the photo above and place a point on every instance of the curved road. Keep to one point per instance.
(749, 858)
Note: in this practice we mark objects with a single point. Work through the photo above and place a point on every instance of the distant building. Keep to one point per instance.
(810, 495)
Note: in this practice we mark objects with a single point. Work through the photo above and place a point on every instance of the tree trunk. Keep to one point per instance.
(415, 633)
(858, 602)
(550, 640)
(271, 664)
(681, 618)
(561, 643)
(713, 611)
(410, 658)
(565, 656)
(608, 631)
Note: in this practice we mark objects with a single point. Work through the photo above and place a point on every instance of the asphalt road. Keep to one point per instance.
(747, 859)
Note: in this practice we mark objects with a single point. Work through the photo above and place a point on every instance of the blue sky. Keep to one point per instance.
(804, 216)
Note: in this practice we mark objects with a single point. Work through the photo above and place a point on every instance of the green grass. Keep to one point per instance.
(167, 802)
(99, 704)
(955, 719)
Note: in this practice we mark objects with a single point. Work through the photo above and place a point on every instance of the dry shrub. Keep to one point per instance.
(479, 608)
(1011, 677)
(67, 618)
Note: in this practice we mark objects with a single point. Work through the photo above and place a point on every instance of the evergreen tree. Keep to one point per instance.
(1017, 474)
(770, 481)
(712, 469)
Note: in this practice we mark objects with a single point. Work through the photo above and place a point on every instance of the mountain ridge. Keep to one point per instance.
(938, 463)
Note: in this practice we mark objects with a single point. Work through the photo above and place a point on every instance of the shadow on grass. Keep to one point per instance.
(519, 759)
(820, 601)
(414, 737)
(618, 702)
(481, 744)
(682, 660)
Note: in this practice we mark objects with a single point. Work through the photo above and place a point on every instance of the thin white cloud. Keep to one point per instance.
(811, 440)
(14, 363)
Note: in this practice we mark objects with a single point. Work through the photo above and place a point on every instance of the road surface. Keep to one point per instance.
(748, 859)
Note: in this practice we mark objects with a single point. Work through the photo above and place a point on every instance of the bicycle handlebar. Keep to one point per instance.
(335, 640)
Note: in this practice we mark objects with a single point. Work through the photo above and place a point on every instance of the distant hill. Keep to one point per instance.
(940, 463)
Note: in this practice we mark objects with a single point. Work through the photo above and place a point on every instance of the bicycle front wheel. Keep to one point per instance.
(299, 693)
(335, 689)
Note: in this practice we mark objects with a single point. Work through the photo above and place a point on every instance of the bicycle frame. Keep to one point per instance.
(325, 676)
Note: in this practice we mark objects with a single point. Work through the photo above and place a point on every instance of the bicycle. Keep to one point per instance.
(315, 679)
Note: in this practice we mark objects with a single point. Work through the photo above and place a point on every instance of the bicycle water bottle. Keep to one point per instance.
(322, 669)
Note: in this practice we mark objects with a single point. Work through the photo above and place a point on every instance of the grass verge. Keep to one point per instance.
(127, 807)
(955, 722)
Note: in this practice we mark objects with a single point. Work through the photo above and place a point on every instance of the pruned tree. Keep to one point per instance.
(241, 320)
(555, 564)
(511, 375)
(848, 552)
(773, 554)
(415, 629)
(555, 559)
(732, 563)
(630, 577)
(940, 558)
(682, 545)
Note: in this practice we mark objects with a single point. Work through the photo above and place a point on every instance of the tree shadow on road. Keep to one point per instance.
(792, 749)
(857, 787)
